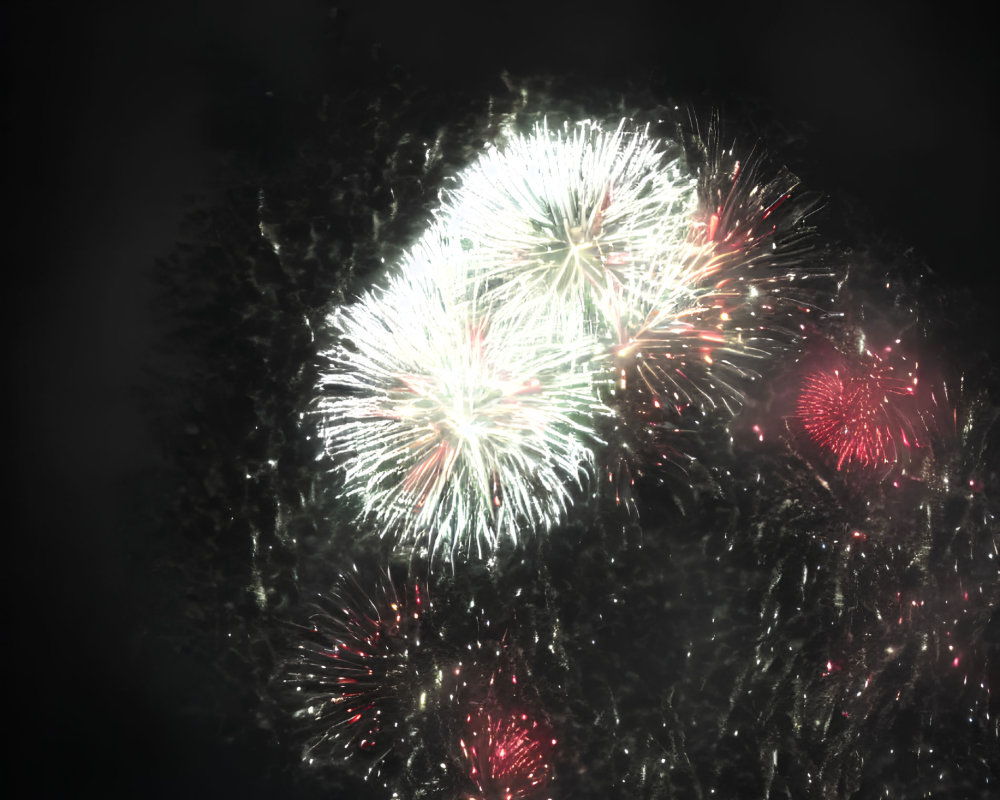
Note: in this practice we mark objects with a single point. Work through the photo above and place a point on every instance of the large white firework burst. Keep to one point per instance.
(457, 426)
(567, 213)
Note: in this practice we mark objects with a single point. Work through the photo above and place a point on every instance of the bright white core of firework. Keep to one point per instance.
(569, 213)
(456, 426)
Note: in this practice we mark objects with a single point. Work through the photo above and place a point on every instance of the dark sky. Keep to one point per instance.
(115, 112)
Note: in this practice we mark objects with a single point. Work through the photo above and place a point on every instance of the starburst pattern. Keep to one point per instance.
(507, 754)
(690, 325)
(690, 330)
(567, 213)
(457, 426)
(862, 413)
(356, 670)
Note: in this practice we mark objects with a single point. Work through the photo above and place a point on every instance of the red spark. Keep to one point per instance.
(713, 226)
(833, 667)
(507, 754)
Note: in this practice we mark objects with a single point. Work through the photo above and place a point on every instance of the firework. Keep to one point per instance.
(566, 214)
(673, 336)
(457, 426)
(689, 330)
(507, 754)
(689, 325)
(356, 672)
(376, 669)
(862, 411)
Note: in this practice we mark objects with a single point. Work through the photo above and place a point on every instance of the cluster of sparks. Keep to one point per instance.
(862, 413)
(507, 754)
(572, 274)
(372, 667)
(459, 426)
(354, 668)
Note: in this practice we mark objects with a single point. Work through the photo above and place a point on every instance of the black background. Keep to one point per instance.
(115, 113)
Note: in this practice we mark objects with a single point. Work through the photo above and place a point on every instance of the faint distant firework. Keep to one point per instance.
(356, 672)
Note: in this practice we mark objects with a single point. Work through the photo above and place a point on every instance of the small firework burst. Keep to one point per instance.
(863, 411)
(356, 671)
(566, 214)
(507, 754)
(457, 426)
(375, 671)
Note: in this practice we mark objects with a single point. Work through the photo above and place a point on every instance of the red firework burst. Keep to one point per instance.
(507, 754)
(863, 413)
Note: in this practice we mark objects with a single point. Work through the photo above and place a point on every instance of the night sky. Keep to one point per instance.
(121, 117)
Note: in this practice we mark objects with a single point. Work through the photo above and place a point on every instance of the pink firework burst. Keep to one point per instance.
(508, 754)
(863, 413)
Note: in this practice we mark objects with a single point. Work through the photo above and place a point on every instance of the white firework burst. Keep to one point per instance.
(568, 213)
(457, 426)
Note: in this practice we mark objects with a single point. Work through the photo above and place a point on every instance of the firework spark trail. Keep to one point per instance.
(689, 331)
(567, 213)
(457, 426)
(673, 334)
